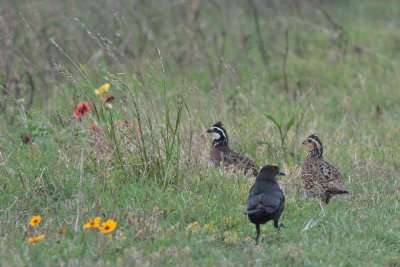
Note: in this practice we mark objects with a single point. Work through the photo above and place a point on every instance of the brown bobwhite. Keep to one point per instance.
(220, 152)
(320, 178)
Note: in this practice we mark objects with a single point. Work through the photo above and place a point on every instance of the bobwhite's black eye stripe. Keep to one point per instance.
(220, 131)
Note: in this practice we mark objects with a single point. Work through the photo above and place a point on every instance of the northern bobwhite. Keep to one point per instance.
(266, 200)
(320, 178)
(220, 152)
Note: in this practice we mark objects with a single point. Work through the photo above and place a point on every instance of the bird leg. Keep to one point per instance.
(278, 225)
(258, 232)
(278, 232)
(327, 198)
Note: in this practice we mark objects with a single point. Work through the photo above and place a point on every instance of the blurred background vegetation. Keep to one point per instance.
(216, 44)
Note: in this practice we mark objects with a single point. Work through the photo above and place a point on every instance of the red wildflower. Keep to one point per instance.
(94, 128)
(81, 110)
(139, 131)
(62, 231)
(26, 138)
(128, 123)
(108, 99)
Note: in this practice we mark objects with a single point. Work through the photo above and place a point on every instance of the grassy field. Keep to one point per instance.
(176, 68)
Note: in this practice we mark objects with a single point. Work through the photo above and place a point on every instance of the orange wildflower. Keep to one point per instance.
(35, 220)
(93, 223)
(35, 239)
(108, 226)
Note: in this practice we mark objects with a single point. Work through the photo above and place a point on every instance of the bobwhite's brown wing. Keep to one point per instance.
(319, 176)
(239, 161)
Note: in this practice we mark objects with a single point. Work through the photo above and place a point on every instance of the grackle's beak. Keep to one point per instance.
(282, 173)
(208, 131)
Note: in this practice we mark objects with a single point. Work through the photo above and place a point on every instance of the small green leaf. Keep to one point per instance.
(271, 118)
(290, 123)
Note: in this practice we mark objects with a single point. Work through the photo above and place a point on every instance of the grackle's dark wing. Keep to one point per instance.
(270, 199)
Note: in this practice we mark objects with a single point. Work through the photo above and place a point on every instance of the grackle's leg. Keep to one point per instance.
(278, 225)
(258, 232)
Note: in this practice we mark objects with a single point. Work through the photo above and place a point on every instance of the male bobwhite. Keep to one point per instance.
(320, 178)
(266, 201)
(220, 152)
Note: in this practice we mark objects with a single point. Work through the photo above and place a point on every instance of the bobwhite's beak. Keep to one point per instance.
(208, 131)
(304, 142)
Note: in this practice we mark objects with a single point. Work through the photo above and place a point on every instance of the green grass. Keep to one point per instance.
(157, 184)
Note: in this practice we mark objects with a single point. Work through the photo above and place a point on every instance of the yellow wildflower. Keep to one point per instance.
(108, 226)
(209, 227)
(35, 220)
(229, 222)
(93, 223)
(193, 227)
(102, 89)
(339, 134)
(231, 237)
(35, 239)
